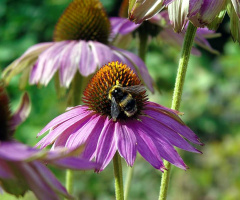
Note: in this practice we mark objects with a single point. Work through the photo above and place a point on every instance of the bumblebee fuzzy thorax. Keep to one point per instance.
(97, 94)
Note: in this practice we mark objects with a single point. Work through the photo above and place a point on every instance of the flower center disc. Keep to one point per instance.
(96, 94)
(83, 20)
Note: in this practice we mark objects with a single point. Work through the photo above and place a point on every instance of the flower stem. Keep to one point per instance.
(177, 95)
(69, 181)
(118, 177)
(143, 42)
(128, 182)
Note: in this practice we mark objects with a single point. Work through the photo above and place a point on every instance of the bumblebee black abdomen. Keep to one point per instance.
(129, 104)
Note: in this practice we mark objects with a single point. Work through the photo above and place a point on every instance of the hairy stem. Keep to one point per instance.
(177, 95)
(128, 182)
(118, 177)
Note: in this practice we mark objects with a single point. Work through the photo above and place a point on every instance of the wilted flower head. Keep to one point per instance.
(159, 27)
(81, 43)
(21, 167)
(201, 13)
(118, 117)
(140, 10)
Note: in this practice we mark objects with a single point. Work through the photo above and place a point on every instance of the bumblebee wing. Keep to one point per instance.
(114, 109)
(135, 89)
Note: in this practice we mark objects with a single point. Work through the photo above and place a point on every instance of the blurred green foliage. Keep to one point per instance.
(211, 103)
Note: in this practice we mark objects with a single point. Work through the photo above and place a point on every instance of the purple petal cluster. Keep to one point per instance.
(22, 168)
(154, 135)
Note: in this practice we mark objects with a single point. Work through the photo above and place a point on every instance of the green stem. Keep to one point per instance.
(69, 181)
(118, 177)
(177, 95)
(143, 42)
(77, 89)
(128, 182)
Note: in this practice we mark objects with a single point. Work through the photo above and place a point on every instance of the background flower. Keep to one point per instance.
(81, 43)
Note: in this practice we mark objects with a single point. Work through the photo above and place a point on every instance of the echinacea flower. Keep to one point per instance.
(201, 13)
(22, 168)
(129, 123)
(81, 43)
(159, 27)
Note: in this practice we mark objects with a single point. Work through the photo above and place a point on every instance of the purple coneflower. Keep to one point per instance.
(200, 12)
(22, 168)
(159, 27)
(81, 43)
(139, 125)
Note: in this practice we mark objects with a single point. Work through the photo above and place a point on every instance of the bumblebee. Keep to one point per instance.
(122, 99)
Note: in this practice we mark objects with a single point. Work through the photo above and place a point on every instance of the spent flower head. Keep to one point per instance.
(118, 117)
(22, 168)
(82, 42)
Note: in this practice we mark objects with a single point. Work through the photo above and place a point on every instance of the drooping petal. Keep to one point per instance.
(164, 147)
(106, 147)
(37, 183)
(168, 36)
(122, 26)
(87, 63)
(70, 126)
(78, 110)
(102, 53)
(22, 112)
(178, 12)
(126, 142)
(147, 148)
(173, 123)
(171, 135)
(50, 179)
(68, 61)
(202, 42)
(75, 163)
(26, 60)
(80, 136)
(15, 151)
(139, 66)
(47, 64)
(92, 141)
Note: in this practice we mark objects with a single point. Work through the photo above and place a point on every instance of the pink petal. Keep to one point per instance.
(87, 63)
(22, 112)
(167, 120)
(68, 127)
(68, 63)
(102, 53)
(171, 135)
(106, 147)
(75, 111)
(126, 142)
(92, 141)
